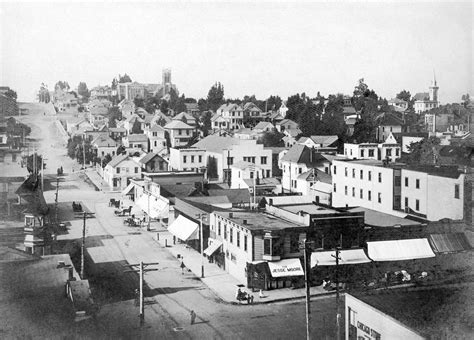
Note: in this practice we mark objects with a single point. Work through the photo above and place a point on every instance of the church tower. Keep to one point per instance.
(434, 90)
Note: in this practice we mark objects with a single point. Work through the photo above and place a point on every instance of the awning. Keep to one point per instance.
(213, 247)
(288, 267)
(346, 256)
(449, 243)
(184, 229)
(127, 190)
(399, 250)
(158, 206)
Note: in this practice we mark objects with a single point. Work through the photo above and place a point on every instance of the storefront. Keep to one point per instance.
(273, 275)
(184, 229)
(213, 250)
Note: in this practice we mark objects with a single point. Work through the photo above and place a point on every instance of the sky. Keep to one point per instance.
(265, 48)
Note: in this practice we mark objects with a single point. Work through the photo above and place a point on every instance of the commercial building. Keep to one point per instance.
(118, 172)
(188, 159)
(388, 149)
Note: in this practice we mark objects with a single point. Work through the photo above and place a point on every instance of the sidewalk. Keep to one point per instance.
(97, 181)
(221, 282)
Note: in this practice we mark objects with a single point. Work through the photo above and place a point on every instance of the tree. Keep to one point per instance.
(206, 122)
(364, 131)
(125, 78)
(33, 163)
(404, 95)
(137, 128)
(43, 94)
(139, 102)
(114, 115)
(272, 139)
(83, 91)
(466, 99)
(10, 93)
(423, 152)
(296, 105)
(273, 103)
(62, 85)
(180, 104)
(121, 150)
(164, 106)
(173, 99)
(307, 119)
(215, 96)
(107, 158)
(152, 104)
(202, 104)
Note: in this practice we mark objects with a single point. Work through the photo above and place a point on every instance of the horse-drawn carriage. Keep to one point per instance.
(76, 207)
(114, 203)
(123, 211)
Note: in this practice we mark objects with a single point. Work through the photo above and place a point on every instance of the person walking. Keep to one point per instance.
(193, 317)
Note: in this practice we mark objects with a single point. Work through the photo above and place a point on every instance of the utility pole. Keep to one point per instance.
(201, 238)
(56, 200)
(148, 226)
(306, 246)
(336, 279)
(85, 214)
(141, 270)
(84, 153)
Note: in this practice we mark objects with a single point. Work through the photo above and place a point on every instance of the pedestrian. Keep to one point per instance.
(251, 299)
(238, 294)
(182, 267)
(260, 294)
(193, 317)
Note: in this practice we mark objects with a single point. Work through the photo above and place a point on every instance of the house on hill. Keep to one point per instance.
(180, 133)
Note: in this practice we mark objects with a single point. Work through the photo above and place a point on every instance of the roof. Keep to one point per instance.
(423, 96)
(137, 137)
(309, 208)
(234, 195)
(149, 156)
(230, 107)
(177, 124)
(287, 121)
(157, 128)
(397, 101)
(262, 125)
(432, 311)
(293, 132)
(32, 196)
(185, 115)
(316, 175)
(195, 205)
(389, 119)
(301, 154)
(216, 143)
(81, 293)
(104, 141)
(117, 160)
(177, 190)
(378, 219)
(117, 129)
(249, 106)
(349, 110)
(320, 139)
(258, 221)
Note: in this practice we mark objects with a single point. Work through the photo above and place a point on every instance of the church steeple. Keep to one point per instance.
(434, 89)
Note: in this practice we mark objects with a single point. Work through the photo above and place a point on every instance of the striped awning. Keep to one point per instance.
(449, 243)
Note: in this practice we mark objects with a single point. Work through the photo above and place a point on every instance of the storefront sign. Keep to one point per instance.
(286, 268)
(366, 329)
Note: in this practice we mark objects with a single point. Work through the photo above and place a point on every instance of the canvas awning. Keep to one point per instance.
(128, 189)
(158, 207)
(449, 243)
(288, 267)
(213, 247)
(184, 229)
(346, 256)
(399, 250)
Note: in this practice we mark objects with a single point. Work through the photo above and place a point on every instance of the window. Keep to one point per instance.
(188, 132)
(389, 152)
(185, 159)
(380, 197)
(334, 187)
(225, 231)
(230, 160)
(456, 190)
(300, 170)
(268, 173)
(362, 153)
(417, 205)
(406, 181)
(406, 202)
(362, 174)
(417, 183)
(245, 242)
(231, 235)
(238, 238)
(353, 173)
(334, 169)
(263, 160)
(179, 131)
(369, 195)
(353, 192)
(136, 170)
(380, 177)
(345, 170)
(361, 193)
(118, 170)
(251, 174)
(371, 153)
(345, 190)
(370, 175)
(397, 152)
(219, 228)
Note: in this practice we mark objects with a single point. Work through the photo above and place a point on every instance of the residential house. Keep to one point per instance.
(427, 101)
(98, 116)
(136, 143)
(120, 170)
(388, 123)
(157, 138)
(134, 123)
(127, 107)
(81, 128)
(104, 145)
(222, 152)
(264, 127)
(321, 143)
(247, 133)
(153, 162)
(219, 123)
(186, 118)
(233, 114)
(290, 137)
(101, 92)
(275, 117)
(400, 190)
(192, 108)
(398, 105)
(98, 103)
(188, 159)
(389, 149)
(117, 133)
(286, 124)
(65, 102)
(316, 184)
(180, 133)
(252, 111)
(297, 161)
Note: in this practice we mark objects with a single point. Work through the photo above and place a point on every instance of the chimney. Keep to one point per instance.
(244, 222)
(231, 215)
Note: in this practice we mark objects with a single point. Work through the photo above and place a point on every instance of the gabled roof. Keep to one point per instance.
(292, 132)
(187, 116)
(137, 138)
(157, 128)
(397, 101)
(216, 143)
(177, 124)
(216, 116)
(134, 117)
(316, 175)
(262, 125)
(149, 156)
(320, 139)
(230, 107)
(389, 119)
(301, 154)
(276, 116)
(104, 141)
(421, 96)
(234, 195)
(117, 160)
(251, 107)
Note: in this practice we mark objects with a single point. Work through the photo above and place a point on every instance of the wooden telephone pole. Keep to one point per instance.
(85, 215)
(141, 270)
(307, 247)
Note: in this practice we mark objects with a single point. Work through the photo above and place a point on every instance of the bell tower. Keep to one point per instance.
(434, 89)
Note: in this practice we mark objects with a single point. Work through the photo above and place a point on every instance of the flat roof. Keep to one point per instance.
(443, 311)
(379, 219)
(309, 208)
(258, 221)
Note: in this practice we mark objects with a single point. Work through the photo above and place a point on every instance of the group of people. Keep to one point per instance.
(242, 296)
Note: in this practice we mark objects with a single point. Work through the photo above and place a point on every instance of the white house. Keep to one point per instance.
(432, 193)
(244, 170)
(427, 101)
(233, 114)
(135, 143)
(120, 170)
(389, 149)
(264, 127)
(188, 159)
(157, 138)
(104, 145)
(186, 118)
(134, 120)
(180, 133)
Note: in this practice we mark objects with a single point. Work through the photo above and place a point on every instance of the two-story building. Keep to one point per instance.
(127, 107)
(188, 159)
(430, 193)
(389, 149)
(186, 118)
(388, 124)
(135, 143)
(118, 172)
(233, 114)
(180, 133)
(153, 162)
(157, 136)
(104, 145)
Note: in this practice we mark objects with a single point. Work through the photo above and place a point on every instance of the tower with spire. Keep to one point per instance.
(434, 89)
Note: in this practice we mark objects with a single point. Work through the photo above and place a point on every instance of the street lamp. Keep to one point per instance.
(201, 216)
